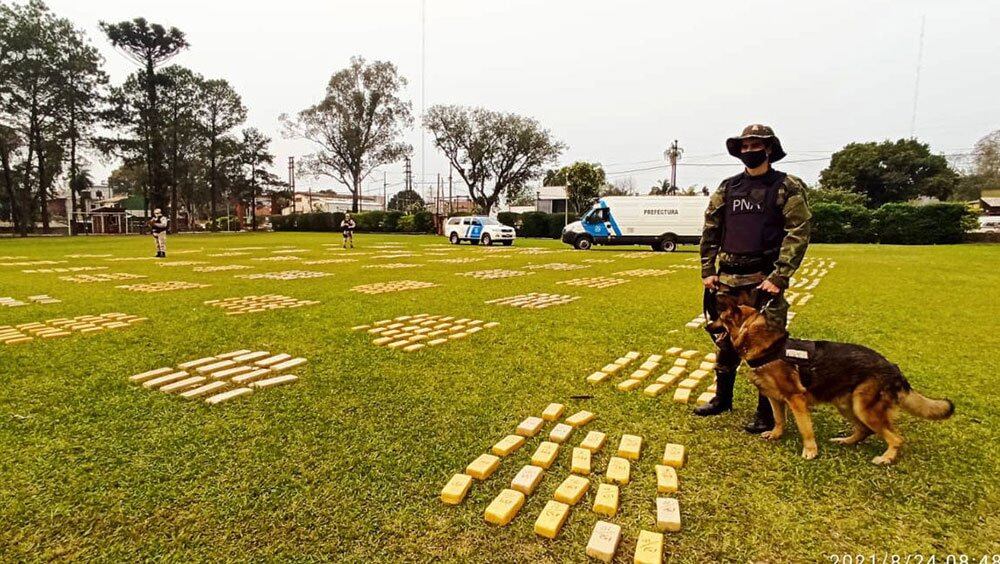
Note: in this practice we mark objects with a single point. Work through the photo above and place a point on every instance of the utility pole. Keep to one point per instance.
(672, 154)
(437, 198)
(291, 179)
(566, 207)
(449, 192)
(408, 175)
(423, 88)
(916, 83)
(385, 191)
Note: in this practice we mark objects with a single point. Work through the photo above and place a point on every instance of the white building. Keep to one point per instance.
(329, 202)
(551, 199)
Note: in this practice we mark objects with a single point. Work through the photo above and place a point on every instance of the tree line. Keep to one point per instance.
(176, 134)
(173, 130)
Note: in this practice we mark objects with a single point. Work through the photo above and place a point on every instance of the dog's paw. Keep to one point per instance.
(809, 453)
(771, 435)
(882, 460)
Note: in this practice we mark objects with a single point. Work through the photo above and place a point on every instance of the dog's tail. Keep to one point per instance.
(923, 406)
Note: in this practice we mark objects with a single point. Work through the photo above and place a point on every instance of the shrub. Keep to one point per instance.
(279, 222)
(534, 224)
(838, 223)
(372, 221)
(932, 224)
(369, 221)
(423, 222)
(390, 223)
(509, 219)
(226, 223)
(406, 224)
(556, 223)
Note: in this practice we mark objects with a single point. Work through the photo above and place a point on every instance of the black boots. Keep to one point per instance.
(723, 400)
(764, 419)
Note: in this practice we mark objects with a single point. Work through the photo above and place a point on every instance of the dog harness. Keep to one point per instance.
(796, 351)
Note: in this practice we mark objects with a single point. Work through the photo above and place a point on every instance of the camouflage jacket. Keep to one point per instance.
(793, 247)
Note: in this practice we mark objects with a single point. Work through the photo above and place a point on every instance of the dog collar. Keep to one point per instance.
(771, 354)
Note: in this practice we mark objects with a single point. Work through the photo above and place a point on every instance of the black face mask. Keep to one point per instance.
(753, 159)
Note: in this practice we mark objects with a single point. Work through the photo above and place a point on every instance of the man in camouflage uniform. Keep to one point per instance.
(757, 230)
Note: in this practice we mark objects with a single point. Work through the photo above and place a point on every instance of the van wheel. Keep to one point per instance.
(583, 243)
(454, 238)
(665, 245)
(487, 240)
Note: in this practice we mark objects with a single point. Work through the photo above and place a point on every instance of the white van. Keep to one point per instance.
(478, 229)
(659, 221)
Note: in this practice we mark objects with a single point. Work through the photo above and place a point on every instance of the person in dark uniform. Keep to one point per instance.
(347, 226)
(755, 235)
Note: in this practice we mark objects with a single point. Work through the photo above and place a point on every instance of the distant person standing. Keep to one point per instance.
(348, 226)
(159, 225)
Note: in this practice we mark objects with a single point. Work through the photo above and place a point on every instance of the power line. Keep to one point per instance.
(665, 166)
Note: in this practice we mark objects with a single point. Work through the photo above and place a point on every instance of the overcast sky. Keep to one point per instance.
(615, 80)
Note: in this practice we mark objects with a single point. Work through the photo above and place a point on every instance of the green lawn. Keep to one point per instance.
(347, 464)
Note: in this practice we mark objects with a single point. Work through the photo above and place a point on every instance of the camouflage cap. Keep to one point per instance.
(756, 131)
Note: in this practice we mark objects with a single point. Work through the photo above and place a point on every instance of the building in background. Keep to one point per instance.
(550, 199)
(445, 206)
(328, 201)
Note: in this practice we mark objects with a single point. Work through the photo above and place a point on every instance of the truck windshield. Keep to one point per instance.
(597, 215)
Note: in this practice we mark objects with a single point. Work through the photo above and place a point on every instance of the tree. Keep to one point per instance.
(621, 187)
(890, 171)
(254, 155)
(221, 110)
(406, 201)
(494, 153)
(129, 178)
(357, 126)
(985, 174)
(835, 196)
(10, 145)
(182, 137)
(50, 81)
(525, 198)
(663, 188)
(582, 180)
(84, 83)
(149, 45)
(986, 156)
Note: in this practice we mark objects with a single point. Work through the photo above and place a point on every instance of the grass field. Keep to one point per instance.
(347, 464)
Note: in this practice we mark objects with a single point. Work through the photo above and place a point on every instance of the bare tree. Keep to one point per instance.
(494, 153)
(357, 126)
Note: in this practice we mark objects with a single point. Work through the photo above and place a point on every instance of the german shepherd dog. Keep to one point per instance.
(866, 388)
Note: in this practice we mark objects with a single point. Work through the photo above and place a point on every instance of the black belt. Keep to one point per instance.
(750, 265)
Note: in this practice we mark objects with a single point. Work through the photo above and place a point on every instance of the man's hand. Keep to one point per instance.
(769, 287)
(711, 282)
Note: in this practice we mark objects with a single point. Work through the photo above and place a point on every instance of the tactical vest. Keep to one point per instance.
(753, 222)
(159, 226)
